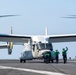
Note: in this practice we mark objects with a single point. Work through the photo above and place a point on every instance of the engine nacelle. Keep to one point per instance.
(10, 47)
(9, 51)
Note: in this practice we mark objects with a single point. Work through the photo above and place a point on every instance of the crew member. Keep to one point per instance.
(57, 56)
(64, 54)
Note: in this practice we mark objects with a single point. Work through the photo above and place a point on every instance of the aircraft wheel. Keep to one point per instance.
(52, 61)
(49, 61)
(24, 61)
(46, 61)
(20, 60)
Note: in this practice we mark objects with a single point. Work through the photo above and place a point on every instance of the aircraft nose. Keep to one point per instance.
(43, 52)
(47, 52)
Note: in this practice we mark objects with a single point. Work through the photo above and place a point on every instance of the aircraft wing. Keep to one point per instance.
(14, 38)
(62, 38)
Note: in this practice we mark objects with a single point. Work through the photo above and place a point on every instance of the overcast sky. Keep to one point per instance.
(34, 15)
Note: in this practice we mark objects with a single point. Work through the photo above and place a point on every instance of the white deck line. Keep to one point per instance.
(32, 70)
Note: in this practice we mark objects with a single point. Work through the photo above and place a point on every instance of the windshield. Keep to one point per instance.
(42, 46)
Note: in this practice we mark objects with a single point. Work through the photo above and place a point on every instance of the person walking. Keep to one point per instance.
(64, 54)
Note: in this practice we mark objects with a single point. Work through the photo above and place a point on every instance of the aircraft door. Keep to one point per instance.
(35, 50)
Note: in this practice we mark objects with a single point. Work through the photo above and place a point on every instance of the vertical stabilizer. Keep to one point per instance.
(46, 31)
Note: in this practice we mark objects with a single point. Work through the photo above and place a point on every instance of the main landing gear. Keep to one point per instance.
(47, 57)
(21, 60)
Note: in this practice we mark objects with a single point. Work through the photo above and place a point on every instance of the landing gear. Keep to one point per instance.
(46, 60)
(22, 60)
(47, 57)
(52, 61)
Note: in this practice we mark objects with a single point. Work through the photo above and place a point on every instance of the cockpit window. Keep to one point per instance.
(42, 46)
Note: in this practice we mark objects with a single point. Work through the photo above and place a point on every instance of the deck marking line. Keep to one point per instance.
(32, 70)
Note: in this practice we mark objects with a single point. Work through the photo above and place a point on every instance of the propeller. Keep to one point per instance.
(70, 16)
(1, 16)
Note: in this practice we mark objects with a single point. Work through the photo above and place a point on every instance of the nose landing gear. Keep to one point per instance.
(47, 57)
(22, 60)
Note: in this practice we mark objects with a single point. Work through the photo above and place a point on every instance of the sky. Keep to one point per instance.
(33, 16)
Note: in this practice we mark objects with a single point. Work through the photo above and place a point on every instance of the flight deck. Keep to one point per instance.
(36, 67)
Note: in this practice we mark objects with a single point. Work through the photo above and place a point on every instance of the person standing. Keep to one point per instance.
(57, 56)
(64, 54)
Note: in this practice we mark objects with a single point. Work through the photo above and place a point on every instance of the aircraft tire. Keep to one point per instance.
(24, 61)
(20, 60)
(46, 61)
(52, 61)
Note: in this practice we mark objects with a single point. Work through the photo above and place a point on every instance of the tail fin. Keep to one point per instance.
(46, 31)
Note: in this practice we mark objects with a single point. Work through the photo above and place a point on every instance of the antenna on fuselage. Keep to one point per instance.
(46, 31)
(11, 31)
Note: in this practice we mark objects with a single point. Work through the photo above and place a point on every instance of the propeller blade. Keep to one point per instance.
(70, 16)
(1, 16)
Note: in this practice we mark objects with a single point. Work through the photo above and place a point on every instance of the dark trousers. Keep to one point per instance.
(64, 58)
(57, 59)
